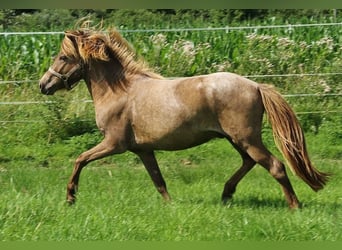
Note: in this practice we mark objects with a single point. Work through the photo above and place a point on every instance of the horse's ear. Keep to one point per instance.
(69, 45)
(71, 35)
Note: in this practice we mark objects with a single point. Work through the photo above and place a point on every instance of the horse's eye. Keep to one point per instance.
(63, 58)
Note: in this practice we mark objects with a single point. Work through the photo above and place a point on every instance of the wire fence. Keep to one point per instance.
(226, 28)
(204, 29)
(90, 101)
(247, 76)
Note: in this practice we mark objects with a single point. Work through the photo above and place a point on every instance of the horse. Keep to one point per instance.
(140, 111)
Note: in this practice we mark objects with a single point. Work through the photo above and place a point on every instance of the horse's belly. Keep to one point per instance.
(177, 140)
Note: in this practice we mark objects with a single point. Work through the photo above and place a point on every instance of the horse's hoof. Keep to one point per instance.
(227, 200)
(295, 206)
(71, 201)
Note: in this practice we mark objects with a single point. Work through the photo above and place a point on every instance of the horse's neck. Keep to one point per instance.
(108, 103)
(98, 89)
(101, 81)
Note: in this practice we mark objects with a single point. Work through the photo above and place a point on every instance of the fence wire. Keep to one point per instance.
(208, 29)
(247, 76)
(225, 28)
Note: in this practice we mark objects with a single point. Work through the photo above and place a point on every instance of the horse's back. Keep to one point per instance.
(220, 91)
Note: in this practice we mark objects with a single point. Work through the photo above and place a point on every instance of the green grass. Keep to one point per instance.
(117, 201)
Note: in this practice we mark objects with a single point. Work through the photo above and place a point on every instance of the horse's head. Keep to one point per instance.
(65, 72)
(107, 52)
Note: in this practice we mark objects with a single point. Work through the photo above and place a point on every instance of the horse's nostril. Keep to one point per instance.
(42, 89)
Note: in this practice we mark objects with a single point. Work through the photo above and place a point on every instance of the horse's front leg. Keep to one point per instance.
(151, 165)
(103, 149)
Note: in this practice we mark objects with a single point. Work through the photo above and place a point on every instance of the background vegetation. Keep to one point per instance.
(41, 136)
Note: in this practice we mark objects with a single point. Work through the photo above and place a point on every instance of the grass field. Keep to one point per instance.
(117, 201)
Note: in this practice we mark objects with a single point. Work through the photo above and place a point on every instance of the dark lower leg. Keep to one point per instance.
(73, 183)
(230, 186)
(153, 170)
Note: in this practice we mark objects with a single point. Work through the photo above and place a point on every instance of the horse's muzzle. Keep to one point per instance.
(44, 90)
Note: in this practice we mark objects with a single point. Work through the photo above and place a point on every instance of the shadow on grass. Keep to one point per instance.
(280, 203)
(254, 202)
(245, 202)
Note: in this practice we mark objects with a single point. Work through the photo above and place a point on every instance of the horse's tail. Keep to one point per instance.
(289, 138)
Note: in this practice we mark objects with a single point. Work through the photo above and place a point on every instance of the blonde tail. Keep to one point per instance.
(289, 137)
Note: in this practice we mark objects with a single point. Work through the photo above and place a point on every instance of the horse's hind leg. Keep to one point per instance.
(276, 168)
(151, 165)
(230, 186)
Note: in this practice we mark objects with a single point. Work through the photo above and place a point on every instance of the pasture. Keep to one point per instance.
(42, 136)
(117, 201)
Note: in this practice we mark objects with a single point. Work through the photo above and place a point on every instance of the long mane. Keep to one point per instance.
(88, 44)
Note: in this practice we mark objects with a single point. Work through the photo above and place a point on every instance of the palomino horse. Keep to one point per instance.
(138, 110)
